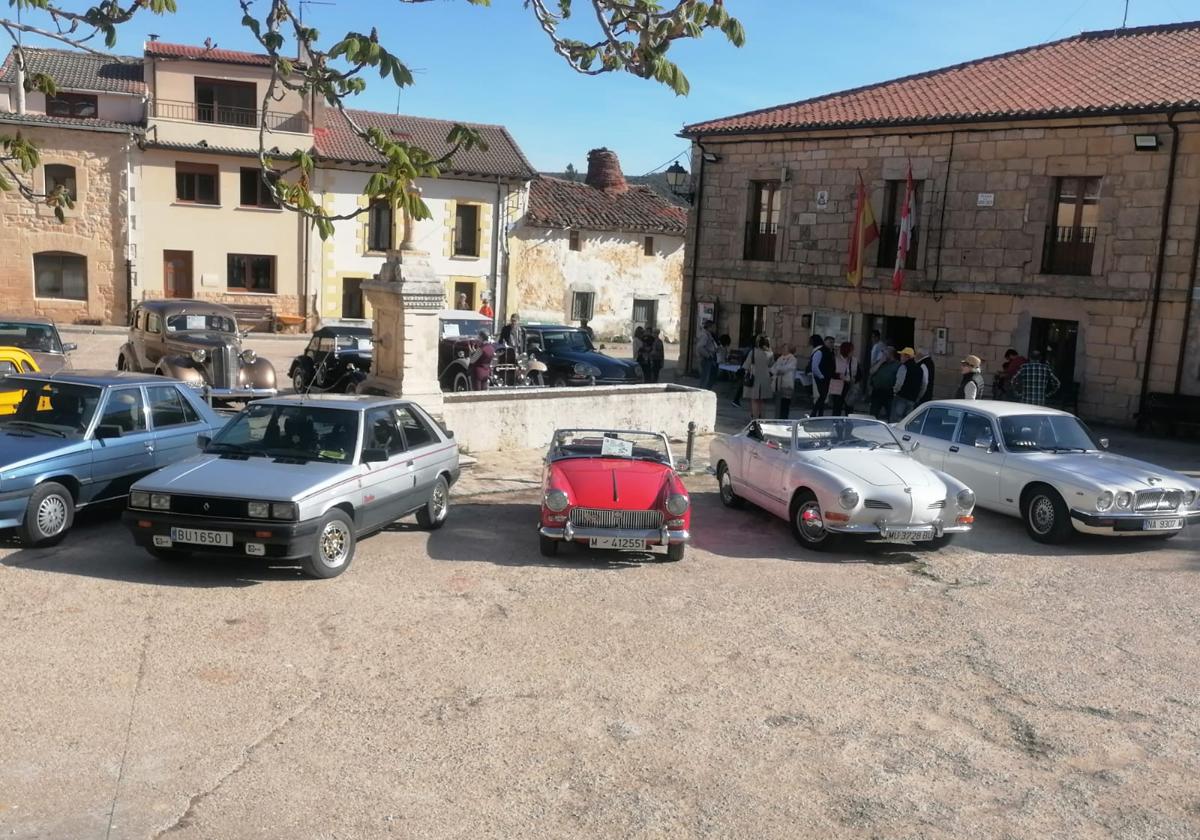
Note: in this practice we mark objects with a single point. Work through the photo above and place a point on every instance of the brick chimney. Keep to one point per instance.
(604, 171)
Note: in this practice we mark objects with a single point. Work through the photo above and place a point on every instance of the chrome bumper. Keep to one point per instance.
(877, 528)
(570, 533)
(240, 393)
(1130, 522)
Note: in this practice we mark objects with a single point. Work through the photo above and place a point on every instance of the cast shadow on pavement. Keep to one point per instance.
(98, 546)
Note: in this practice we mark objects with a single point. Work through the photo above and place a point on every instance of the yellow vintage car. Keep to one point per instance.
(14, 360)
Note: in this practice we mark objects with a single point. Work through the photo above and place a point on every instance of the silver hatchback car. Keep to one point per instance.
(299, 478)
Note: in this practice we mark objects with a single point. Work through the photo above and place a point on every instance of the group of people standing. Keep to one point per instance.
(648, 352)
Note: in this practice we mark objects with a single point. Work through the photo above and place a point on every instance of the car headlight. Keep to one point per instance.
(848, 499)
(1105, 500)
(965, 499)
(677, 504)
(1124, 500)
(556, 500)
(139, 499)
(584, 369)
(258, 510)
(248, 356)
(160, 501)
(1189, 498)
(283, 510)
(199, 355)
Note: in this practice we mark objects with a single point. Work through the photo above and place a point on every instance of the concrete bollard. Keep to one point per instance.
(691, 443)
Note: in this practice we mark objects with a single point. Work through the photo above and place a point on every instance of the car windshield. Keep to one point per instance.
(597, 443)
(458, 327)
(824, 433)
(1046, 433)
(293, 430)
(46, 407)
(556, 341)
(195, 321)
(40, 338)
(354, 342)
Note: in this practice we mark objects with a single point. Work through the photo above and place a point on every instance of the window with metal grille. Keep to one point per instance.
(582, 304)
(762, 228)
(1071, 234)
(573, 241)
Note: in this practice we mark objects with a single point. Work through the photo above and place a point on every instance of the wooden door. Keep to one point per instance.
(177, 274)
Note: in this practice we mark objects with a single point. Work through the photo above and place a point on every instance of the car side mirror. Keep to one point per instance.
(993, 447)
(203, 441)
(108, 432)
(70, 346)
(374, 456)
(1103, 443)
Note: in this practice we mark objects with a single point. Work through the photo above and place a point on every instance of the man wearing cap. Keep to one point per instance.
(910, 383)
(971, 386)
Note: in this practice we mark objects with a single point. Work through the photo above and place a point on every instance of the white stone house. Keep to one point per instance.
(601, 251)
(472, 204)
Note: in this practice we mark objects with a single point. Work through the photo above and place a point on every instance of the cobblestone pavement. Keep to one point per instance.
(458, 685)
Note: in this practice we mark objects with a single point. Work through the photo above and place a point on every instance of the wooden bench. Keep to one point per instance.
(254, 317)
(1170, 414)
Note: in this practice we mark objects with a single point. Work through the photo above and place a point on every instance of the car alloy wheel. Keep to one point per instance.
(334, 544)
(725, 481)
(48, 515)
(52, 516)
(433, 515)
(1041, 514)
(299, 382)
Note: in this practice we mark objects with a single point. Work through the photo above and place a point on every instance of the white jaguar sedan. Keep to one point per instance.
(1045, 466)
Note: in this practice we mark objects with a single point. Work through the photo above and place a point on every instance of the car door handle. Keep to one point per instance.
(408, 464)
(953, 448)
(906, 438)
(149, 447)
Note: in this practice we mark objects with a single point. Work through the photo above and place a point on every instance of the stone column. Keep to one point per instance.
(406, 297)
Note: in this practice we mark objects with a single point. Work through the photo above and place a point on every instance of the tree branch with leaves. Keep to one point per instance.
(630, 36)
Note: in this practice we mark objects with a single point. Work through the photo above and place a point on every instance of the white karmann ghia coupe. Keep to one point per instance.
(833, 477)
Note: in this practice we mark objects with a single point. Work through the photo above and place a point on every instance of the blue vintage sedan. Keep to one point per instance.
(74, 438)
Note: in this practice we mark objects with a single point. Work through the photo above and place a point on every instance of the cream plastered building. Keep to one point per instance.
(598, 250)
(471, 205)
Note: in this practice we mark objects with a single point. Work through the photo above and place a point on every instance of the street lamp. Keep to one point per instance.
(678, 179)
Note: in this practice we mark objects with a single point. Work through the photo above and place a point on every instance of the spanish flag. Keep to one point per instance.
(863, 232)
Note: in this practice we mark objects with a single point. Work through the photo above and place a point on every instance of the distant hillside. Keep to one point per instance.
(656, 182)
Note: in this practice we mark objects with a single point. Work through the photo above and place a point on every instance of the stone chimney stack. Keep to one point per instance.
(604, 171)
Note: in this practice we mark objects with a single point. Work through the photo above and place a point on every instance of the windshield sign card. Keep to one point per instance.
(616, 448)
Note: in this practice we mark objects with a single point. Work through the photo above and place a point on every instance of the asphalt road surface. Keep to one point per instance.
(458, 685)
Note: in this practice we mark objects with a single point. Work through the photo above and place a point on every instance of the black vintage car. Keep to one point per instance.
(337, 358)
(572, 359)
(197, 342)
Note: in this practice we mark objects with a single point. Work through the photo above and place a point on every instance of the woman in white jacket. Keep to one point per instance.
(783, 374)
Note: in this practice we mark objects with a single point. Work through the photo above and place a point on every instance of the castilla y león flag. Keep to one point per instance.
(908, 220)
(863, 232)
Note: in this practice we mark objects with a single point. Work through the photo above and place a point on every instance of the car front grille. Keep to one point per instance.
(631, 520)
(1151, 500)
(224, 367)
(209, 506)
(876, 504)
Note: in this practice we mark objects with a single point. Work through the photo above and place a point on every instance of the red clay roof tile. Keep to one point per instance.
(555, 203)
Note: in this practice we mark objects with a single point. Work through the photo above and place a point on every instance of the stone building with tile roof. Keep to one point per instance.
(1058, 210)
(601, 250)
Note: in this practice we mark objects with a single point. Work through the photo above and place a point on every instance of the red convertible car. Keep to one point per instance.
(613, 490)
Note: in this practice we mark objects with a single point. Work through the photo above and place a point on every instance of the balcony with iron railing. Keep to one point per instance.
(1069, 250)
(234, 117)
(760, 241)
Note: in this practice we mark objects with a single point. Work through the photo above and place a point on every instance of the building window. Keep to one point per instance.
(648, 246)
(226, 103)
(763, 226)
(379, 225)
(889, 232)
(255, 193)
(1071, 234)
(60, 275)
(752, 321)
(573, 241)
(582, 304)
(252, 272)
(61, 175)
(81, 106)
(197, 183)
(466, 230)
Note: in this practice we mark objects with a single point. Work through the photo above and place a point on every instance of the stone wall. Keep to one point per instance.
(94, 228)
(544, 273)
(527, 418)
(985, 201)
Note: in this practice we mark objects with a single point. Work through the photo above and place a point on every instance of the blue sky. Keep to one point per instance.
(494, 65)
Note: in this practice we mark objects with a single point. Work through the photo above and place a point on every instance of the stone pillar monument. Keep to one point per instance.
(406, 297)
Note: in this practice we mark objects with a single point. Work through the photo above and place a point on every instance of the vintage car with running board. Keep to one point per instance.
(839, 477)
(613, 490)
(1045, 466)
(298, 480)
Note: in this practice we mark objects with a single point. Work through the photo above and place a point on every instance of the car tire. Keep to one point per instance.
(299, 381)
(437, 509)
(1045, 514)
(559, 381)
(169, 555)
(333, 546)
(536, 380)
(547, 546)
(121, 363)
(807, 532)
(48, 516)
(725, 483)
(460, 383)
(675, 552)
